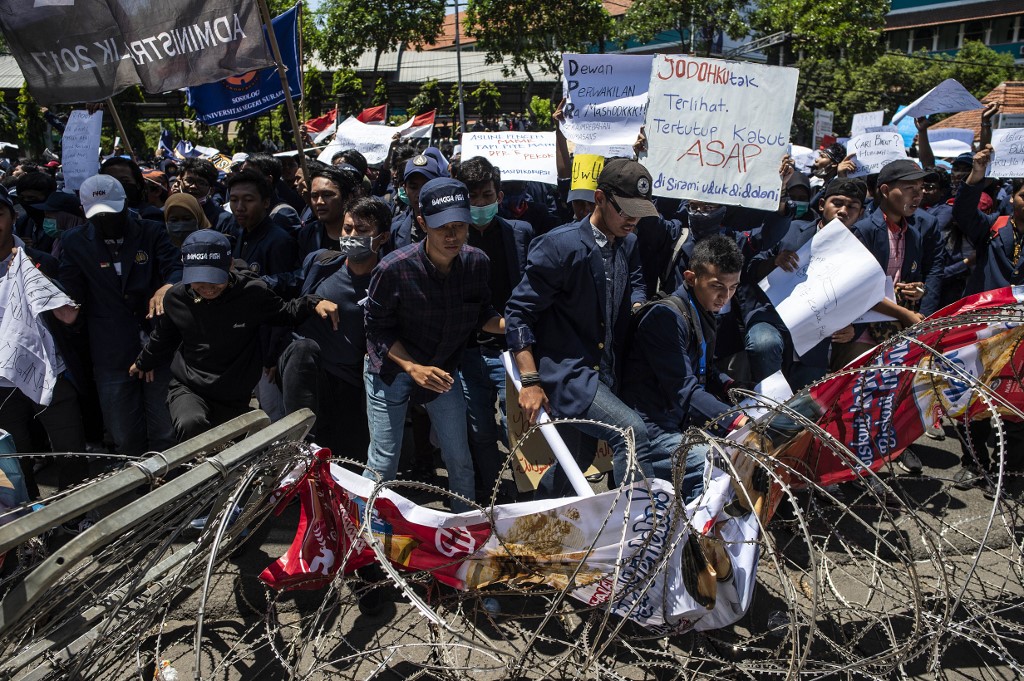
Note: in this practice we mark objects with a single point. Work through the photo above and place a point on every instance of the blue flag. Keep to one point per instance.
(166, 141)
(254, 92)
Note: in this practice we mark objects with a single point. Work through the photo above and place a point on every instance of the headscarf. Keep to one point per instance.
(189, 203)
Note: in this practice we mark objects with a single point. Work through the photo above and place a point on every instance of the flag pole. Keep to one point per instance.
(120, 127)
(282, 73)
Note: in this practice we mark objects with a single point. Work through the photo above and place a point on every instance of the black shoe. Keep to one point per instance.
(909, 462)
(967, 478)
(935, 431)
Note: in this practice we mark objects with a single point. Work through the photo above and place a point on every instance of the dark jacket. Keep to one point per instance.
(115, 307)
(216, 343)
(267, 250)
(559, 309)
(661, 378)
(922, 255)
(994, 267)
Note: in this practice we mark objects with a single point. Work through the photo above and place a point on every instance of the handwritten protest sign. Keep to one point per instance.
(372, 141)
(528, 156)
(586, 168)
(717, 129)
(1008, 159)
(822, 125)
(606, 97)
(836, 282)
(80, 147)
(863, 121)
(871, 315)
(873, 150)
(950, 142)
(606, 150)
(533, 456)
(28, 356)
(949, 96)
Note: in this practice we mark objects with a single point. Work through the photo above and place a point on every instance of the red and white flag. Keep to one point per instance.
(375, 115)
(419, 126)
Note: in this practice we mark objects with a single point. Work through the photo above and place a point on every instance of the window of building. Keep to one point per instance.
(924, 38)
(974, 30)
(899, 40)
(949, 37)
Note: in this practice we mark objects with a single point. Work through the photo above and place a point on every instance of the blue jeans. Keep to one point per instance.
(609, 409)
(386, 406)
(483, 379)
(135, 412)
(663, 448)
(765, 345)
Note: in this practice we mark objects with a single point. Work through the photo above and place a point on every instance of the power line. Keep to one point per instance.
(951, 60)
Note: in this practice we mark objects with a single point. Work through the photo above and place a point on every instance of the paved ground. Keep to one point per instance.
(886, 579)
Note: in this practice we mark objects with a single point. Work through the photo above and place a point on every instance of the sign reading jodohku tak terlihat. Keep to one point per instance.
(718, 129)
(255, 92)
(88, 50)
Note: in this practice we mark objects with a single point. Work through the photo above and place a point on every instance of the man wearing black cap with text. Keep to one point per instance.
(424, 302)
(210, 326)
(567, 319)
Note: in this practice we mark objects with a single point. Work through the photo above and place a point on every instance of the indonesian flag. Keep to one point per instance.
(375, 115)
(315, 125)
(419, 126)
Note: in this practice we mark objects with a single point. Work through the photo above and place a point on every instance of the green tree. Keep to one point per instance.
(541, 109)
(347, 28)
(488, 99)
(516, 33)
(696, 21)
(851, 30)
(980, 69)
(430, 97)
(347, 91)
(31, 126)
(380, 92)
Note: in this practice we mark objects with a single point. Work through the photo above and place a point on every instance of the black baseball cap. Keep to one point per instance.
(854, 189)
(966, 158)
(630, 185)
(444, 200)
(836, 152)
(422, 165)
(904, 169)
(206, 258)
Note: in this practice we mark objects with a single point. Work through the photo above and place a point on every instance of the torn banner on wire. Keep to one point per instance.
(638, 551)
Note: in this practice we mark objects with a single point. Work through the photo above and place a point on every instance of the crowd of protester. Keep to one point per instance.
(383, 296)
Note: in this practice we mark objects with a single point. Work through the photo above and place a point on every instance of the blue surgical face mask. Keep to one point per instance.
(50, 227)
(483, 215)
(403, 196)
(802, 207)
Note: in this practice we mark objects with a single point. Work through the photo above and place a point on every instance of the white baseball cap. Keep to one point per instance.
(101, 194)
(240, 157)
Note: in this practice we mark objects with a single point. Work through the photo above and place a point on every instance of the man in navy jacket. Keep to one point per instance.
(567, 319)
(119, 268)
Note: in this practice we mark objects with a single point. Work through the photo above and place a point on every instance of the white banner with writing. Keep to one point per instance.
(836, 282)
(718, 129)
(1008, 159)
(606, 97)
(80, 147)
(525, 156)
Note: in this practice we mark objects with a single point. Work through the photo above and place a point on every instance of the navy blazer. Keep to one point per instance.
(517, 236)
(559, 309)
(922, 255)
(268, 249)
(115, 307)
(994, 266)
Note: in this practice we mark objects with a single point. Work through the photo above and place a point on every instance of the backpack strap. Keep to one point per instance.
(677, 248)
(684, 308)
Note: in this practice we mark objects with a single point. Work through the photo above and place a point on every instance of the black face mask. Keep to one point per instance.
(110, 225)
(357, 248)
(705, 225)
(133, 195)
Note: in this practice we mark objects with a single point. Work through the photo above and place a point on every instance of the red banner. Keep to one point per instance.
(374, 115)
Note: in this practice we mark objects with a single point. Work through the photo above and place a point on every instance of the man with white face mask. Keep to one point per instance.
(506, 243)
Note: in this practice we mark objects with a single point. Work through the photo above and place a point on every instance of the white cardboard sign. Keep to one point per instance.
(718, 129)
(527, 156)
(867, 119)
(1008, 159)
(80, 158)
(836, 282)
(606, 97)
(875, 149)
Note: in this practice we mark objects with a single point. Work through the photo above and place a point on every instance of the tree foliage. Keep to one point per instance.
(488, 99)
(347, 90)
(516, 33)
(696, 21)
(891, 80)
(850, 29)
(541, 108)
(31, 125)
(430, 97)
(347, 28)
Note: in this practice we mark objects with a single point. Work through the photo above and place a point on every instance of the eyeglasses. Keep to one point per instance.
(623, 215)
